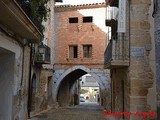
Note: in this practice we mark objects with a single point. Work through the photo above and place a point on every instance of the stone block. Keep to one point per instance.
(134, 24)
(138, 101)
(144, 25)
(136, 83)
(135, 91)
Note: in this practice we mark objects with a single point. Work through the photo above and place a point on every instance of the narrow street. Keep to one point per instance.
(84, 111)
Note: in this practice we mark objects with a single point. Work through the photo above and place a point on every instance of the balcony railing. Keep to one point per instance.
(43, 54)
(117, 53)
(111, 13)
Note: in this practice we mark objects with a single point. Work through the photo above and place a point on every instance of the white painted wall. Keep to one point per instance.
(11, 45)
(10, 74)
(99, 17)
(6, 85)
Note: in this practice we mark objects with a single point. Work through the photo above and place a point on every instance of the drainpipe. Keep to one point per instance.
(25, 43)
(30, 83)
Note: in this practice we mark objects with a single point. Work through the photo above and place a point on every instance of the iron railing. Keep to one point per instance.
(108, 53)
(117, 50)
(43, 54)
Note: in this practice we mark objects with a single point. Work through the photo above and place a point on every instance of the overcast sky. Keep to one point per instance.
(75, 2)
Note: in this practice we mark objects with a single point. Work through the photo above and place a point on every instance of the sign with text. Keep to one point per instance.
(137, 51)
(122, 16)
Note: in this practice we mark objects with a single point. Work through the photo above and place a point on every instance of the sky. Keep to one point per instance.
(77, 2)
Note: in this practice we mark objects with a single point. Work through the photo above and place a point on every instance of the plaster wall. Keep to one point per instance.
(7, 61)
(16, 70)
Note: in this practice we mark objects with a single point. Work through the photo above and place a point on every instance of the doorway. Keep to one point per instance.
(7, 62)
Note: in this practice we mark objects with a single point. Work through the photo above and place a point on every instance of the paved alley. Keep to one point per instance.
(84, 111)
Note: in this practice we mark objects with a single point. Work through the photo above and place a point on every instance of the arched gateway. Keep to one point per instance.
(64, 79)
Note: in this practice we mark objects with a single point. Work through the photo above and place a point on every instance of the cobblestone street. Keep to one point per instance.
(84, 111)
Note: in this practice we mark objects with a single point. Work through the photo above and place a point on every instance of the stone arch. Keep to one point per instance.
(67, 72)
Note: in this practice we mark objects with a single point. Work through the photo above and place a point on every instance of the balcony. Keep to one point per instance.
(43, 55)
(15, 20)
(111, 19)
(117, 53)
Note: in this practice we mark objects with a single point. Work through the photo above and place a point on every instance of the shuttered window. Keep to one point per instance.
(87, 51)
(73, 51)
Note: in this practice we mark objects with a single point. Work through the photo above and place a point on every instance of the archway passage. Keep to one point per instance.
(68, 89)
(89, 90)
(66, 94)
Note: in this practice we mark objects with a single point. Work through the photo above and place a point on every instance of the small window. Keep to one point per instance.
(73, 20)
(87, 19)
(87, 51)
(73, 51)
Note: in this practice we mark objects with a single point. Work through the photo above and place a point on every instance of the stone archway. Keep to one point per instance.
(74, 73)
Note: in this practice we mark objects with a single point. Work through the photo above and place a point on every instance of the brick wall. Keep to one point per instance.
(79, 34)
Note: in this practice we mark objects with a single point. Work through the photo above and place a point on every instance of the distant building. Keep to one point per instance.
(88, 81)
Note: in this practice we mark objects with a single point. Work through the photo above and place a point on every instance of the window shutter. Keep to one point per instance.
(90, 51)
(71, 52)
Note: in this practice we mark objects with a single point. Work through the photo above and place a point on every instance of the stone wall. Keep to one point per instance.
(139, 78)
(40, 96)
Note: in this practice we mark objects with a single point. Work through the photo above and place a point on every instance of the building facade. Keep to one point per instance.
(41, 74)
(130, 57)
(15, 59)
(79, 46)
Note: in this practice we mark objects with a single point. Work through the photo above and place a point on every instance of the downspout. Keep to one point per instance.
(22, 66)
(29, 83)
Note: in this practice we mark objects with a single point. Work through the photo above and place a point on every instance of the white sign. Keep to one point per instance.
(137, 51)
(122, 16)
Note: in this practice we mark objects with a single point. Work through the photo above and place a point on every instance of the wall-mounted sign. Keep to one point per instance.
(137, 51)
(122, 16)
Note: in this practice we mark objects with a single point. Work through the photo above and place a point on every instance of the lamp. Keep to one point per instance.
(41, 49)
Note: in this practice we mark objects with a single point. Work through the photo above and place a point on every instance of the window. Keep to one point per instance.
(73, 51)
(87, 19)
(73, 20)
(87, 51)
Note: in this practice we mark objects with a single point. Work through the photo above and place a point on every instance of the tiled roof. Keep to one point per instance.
(81, 6)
